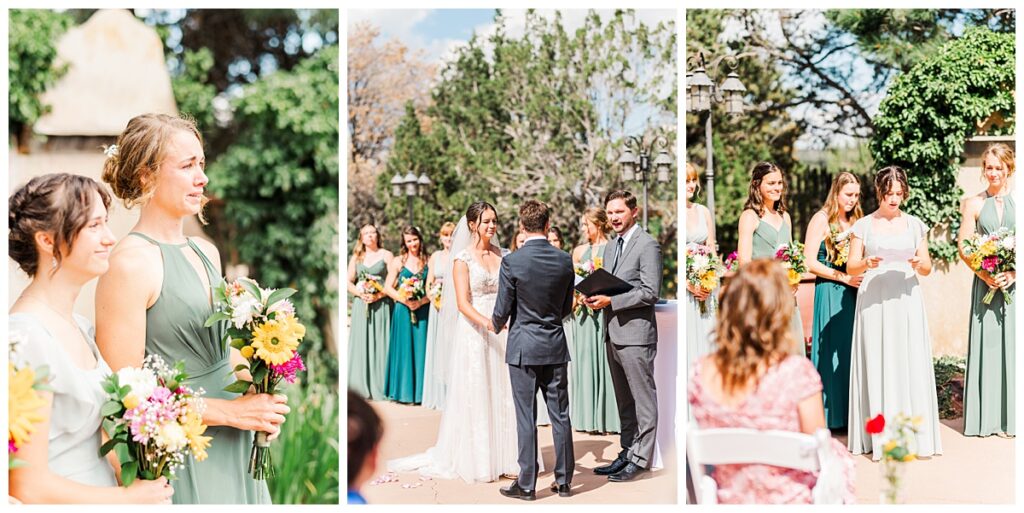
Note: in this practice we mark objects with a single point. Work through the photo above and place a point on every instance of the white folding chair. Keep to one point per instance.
(726, 446)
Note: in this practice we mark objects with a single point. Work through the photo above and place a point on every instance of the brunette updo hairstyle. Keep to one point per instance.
(599, 217)
(475, 212)
(886, 177)
(141, 149)
(58, 203)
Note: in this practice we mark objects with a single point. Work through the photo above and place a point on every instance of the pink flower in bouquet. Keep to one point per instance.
(287, 370)
(11, 447)
(990, 263)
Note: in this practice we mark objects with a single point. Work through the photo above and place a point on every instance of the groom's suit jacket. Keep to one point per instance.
(535, 291)
(630, 317)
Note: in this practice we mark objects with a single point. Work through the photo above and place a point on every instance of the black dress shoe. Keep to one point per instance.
(627, 474)
(612, 468)
(516, 492)
(563, 490)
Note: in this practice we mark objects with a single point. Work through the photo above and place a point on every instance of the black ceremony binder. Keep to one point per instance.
(602, 283)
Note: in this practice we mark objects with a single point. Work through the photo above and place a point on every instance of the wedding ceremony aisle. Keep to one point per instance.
(412, 429)
(971, 470)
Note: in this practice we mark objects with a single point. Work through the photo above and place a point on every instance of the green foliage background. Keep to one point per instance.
(931, 110)
(32, 53)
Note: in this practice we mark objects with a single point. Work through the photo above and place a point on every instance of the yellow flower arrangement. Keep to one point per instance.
(23, 404)
(275, 341)
(194, 429)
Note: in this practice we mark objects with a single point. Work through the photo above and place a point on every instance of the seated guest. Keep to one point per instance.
(752, 380)
(364, 434)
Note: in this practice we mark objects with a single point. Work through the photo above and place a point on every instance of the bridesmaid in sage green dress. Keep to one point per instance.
(765, 225)
(158, 294)
(989, 392)
(592, 398)
(370, 317)
(407, 348)
(700, 229)
(835, 294)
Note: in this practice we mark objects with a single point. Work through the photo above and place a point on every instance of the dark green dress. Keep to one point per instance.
(592, 405)
(407, 349)
(175, 331)
(989, 393)
(831, 339)
(368, 339)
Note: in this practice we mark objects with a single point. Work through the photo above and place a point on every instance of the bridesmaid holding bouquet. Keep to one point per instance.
(435, 368)
(826, 250)
(700, 229)
(764, 226)
(371, 315)
(991, 356)
(406, 285)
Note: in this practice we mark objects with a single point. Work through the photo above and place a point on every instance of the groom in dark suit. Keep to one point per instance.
(631, 335)
(535, 290)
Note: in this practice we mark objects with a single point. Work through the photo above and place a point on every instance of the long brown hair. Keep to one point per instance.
(411, 230)
(359, 251)
(833, 210)
(754, 200)
(756, 307)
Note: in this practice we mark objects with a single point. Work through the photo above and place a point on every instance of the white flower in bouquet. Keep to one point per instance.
(1009, 242)
(243, 308)
(171, 437)
(701, 261)
(142, 382)
(283, 307)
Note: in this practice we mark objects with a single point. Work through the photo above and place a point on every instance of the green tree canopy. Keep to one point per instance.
(32, 68)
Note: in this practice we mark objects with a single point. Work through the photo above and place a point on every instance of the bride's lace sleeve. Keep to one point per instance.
(464, 256)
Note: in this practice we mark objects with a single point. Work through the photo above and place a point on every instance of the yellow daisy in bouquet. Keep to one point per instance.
(24, 403)
(994, 253)
(435, 294)
(841, 242)
(412, 289)
(583, 270)
(792, 258)
(264, 329)
(704, 269)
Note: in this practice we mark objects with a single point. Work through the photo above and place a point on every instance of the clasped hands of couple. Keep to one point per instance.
(595, 302)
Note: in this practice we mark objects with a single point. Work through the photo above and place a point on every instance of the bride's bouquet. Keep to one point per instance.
(23, 401)
(704, 269)
(412, 289)
(267, 333)
(840, 241)
(995, 253)
(792, 258)
(157, 416)
(583, 270)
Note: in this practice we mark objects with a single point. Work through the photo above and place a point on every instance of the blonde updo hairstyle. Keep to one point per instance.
(141, 149)
(1002, 153)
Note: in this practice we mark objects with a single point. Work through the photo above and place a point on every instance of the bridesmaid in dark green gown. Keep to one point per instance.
(989, 391)
(157, 296)
(764, 225)
(835, 294)
(370, 317)
(408, 341)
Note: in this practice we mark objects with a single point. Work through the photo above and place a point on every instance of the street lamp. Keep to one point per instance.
(701, 93)
(411, 186)
(636, 166)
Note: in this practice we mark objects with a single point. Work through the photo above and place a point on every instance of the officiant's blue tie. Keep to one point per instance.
(618, 253)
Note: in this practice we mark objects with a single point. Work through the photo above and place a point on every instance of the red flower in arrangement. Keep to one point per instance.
(876, 425)
(990, 263)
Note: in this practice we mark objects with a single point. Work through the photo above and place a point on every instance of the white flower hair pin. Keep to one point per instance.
(110, 151)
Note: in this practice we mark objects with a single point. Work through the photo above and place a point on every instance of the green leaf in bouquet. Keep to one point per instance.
(251, 287)
(220, 292)
(128, 471)
(123, 392)
(234, 332)
(16, 463)
(111, 408)
(238, 343)
(238, 387)
(278, 295)
(241, 366)
(110, 386)
(172, 384)
(217, 317)
(259, 371)
(149, 475)
(42, 372)
(109, 445)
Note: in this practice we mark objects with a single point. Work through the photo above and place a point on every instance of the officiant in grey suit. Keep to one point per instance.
(535, 290)
(631, 335)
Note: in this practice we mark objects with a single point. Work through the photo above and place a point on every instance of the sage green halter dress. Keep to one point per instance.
(765, 241)
(175, 331)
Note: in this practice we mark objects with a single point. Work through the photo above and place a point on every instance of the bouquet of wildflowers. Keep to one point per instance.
(435, 294)
(731, 262)
(369, 283)
(583, 270)
(996, 253)
(23, 401)
(157, 416)
(412, 289)
(792, 258)
(840, 241)
(704, 269)
(896, 449)
(266, 332)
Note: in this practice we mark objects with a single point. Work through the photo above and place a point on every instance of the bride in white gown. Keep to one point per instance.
(477, 439)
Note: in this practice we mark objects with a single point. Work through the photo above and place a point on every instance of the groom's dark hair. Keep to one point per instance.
(534, 215)
(622, 195)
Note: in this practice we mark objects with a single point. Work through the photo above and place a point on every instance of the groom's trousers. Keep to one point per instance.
(552, 381)
(632, 370)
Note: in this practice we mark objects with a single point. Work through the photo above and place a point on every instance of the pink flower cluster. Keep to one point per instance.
(990, 263)
(289, 369)
(144, 419)
(781, 253)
